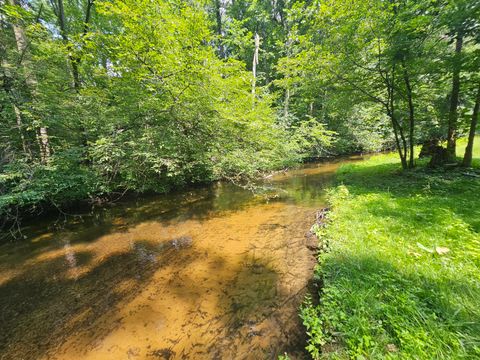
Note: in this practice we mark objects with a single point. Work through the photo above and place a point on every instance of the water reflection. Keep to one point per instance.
(213, 272)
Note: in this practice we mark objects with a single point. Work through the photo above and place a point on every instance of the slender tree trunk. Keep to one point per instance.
(397, 130)
(74, 59)
(286, 103)
(59, 10)
(404, 146)
(88, 15)
(401, 154)
(323, 106)
(18, 118)
(411, 115)
(44, 144)
(86, 27)
(453, 112)
(467, 158)
(31, 81)
(395, 126)
(288, 51)
(218, 16)
(255, 62)
(18, 115)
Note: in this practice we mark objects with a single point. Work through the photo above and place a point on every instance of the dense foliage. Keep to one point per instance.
(100, 96)
(112, 96)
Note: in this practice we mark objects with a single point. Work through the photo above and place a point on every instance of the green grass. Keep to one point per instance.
(387, 293)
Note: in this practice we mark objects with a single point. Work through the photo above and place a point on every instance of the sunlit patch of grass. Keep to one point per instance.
(462, 143)
(401, 266)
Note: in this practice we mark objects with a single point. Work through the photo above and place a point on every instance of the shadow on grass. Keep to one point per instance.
(422, 196)
(424, 315)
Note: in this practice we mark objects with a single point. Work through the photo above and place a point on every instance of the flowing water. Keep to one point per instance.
(208, 273)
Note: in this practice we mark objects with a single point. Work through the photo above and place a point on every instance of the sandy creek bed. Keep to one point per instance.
(208, 273)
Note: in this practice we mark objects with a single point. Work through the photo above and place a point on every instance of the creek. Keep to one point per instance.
(213, 272)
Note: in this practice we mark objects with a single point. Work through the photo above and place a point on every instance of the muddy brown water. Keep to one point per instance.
(209, 273)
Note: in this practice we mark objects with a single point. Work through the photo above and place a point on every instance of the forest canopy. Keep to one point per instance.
(104, 96)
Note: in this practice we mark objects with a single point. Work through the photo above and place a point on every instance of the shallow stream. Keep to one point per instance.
(208, 273)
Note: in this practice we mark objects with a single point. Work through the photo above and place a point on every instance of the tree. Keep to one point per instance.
(31, 84)
(467, 158)
(461, 18)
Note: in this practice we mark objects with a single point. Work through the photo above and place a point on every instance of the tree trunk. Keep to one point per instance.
(401, 153)
(218, 16)
(88, 15)
(7, 81)
(467, 158)
(44, 144)
(411, 115)
(397, 130)
(286, 103)
(18, 118)
(59, 11)
(255, 62)
(74, 61)
(453, 113)
(31, 82)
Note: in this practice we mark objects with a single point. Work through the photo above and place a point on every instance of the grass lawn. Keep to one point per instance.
(401, 268)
